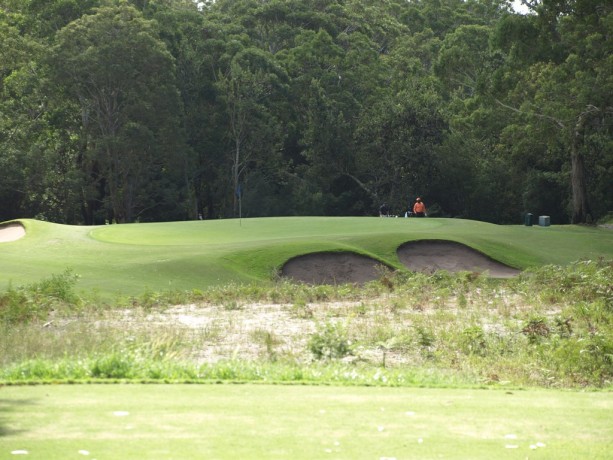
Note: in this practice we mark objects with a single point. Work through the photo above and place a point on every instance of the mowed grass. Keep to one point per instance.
(133, 258)
(322, 420)
(301, 422)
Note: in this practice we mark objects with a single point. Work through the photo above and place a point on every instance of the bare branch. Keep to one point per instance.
(559, 123)
(362, 185)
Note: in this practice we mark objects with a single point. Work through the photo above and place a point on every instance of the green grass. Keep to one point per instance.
(350, 390)
(301, 422)
(129, 259)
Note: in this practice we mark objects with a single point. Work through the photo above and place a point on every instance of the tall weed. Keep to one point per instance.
(36, 301)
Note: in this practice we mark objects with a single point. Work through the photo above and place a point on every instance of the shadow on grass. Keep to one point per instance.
(7, 406)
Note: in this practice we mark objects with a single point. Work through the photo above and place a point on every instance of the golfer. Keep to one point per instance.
(419, 208)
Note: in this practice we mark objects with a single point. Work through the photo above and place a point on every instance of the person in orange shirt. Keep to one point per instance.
(419, 208)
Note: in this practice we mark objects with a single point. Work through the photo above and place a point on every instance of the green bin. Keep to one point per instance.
(528, 220)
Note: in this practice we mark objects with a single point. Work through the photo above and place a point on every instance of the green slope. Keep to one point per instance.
(131, 258)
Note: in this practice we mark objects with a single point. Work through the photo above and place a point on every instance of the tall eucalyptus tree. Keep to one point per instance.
(121, 75)
(250, 86)
(561, 91)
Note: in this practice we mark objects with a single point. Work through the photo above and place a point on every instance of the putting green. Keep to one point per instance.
(301, 422)
(130, 259)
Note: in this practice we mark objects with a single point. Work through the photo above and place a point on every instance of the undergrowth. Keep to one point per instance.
(550, 327)
(38, 300)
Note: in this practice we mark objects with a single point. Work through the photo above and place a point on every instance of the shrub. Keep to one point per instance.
(114, 365)
(35, 301)
(586, 280)
(536, 329)
(473, 341)
(58, 287)
(425, 337)
(330, 341)
(588, 360)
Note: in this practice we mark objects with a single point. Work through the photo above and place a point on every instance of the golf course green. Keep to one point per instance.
(543, 358)
(131, 258)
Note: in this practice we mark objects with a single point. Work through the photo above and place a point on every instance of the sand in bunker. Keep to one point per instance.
(422, 256)
(431, 255)
(332, 268)
(11, 232)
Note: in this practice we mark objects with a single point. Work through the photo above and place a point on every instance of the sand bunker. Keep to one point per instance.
(425, 256)
(11, 232)
(431, 255)
(332, 268)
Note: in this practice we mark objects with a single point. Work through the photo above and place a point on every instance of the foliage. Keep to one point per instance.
(158, 110)
(122, 76)
(38, 300)
(473, 341)
(330, 341)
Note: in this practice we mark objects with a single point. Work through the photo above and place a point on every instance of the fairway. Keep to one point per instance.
(301, 422)
(453, 335)
(132, 258)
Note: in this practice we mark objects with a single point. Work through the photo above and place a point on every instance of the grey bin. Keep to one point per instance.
(528, 220)
(544, 221)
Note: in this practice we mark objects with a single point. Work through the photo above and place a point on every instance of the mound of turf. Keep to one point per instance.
(132, 258)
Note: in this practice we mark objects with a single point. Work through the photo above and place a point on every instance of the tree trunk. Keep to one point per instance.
(235, 176)
(581, 210)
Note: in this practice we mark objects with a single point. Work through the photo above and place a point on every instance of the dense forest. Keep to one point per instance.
(158, 110)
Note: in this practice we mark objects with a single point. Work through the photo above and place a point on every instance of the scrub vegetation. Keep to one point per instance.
(549, 327)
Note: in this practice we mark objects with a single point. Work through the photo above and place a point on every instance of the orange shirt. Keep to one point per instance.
(419, 207)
